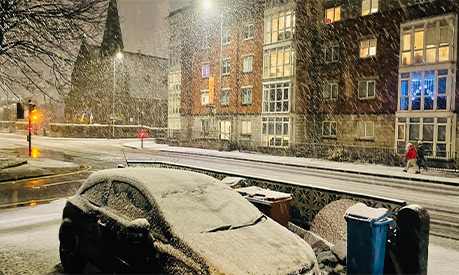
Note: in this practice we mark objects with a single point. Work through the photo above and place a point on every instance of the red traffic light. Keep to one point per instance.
(143, 134)
(30, 128)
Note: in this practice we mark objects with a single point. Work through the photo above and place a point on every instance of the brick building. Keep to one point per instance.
(354, 72)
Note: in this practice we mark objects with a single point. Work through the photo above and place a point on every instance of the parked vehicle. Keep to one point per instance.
(154, 220)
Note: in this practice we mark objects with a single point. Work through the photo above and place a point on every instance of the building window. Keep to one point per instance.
(279, 27)
(246, 127)
(174, 103)
(425, 90)
(365, 129)
(174, 124)
(205, 126)
(275, 131)
(330, 90)
(369, 6)
(246, 95)
(278, 62)
(226, 66)
(367, 89)
(175, 81)
(435, 132)
(329, 129)
(276, 98)
(225, 129)
(427, 42)
(226, 36)
(247, 32)
(331, 53)
(225, 97)
(205, 70)
(368, 48)
(205, 97)
(247, 64)
(332, 15)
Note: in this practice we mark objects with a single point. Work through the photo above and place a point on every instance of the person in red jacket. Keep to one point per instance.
(411, 155)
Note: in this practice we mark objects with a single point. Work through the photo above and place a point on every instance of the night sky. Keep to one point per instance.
(144, 27)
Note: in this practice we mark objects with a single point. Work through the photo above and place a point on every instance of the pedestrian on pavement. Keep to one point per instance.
(410, 156)
(421, 158)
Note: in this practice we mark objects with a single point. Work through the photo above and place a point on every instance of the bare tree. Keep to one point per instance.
(39, 41)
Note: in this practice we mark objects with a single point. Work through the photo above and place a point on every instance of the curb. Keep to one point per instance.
(316, 167)
(328, 169)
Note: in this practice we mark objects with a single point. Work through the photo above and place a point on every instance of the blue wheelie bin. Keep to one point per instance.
(366, 239)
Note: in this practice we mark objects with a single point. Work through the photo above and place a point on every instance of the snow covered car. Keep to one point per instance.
(154, 220)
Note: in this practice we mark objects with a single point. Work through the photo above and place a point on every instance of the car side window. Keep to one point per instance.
(97, 194)
(128, 200)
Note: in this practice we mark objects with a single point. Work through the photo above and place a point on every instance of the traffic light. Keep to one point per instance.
(143, 134)
(33, 114)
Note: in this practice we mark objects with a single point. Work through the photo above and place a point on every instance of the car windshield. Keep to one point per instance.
(207, 207)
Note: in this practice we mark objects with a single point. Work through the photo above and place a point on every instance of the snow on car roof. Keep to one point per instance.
(193, 204)
(190, 201)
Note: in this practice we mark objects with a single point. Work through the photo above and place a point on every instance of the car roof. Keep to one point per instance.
(193, 204)
(189, 201)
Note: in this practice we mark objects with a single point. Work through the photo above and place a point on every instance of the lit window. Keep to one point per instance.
(329, 129)
(225, 130)
(279, 27)
(332, 15)
(205, 70)
(225, 97)
(365, 129)
(247, 96)
(427, 42)
(275, 131)
(205, 97)
(368, 48)
(330, 90)
(246, 127)
(369, 6)
(225, 67)
(331, 53)
(425, 90)
(433, 131)
(367, 89)
(278, 62)
(247, 64)
(276, 98)
(248, 31)
(175, 79)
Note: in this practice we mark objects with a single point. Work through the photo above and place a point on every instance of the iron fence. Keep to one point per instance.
(307, 200)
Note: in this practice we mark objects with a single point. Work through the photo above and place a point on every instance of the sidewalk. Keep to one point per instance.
(17, 168)
(432, 176)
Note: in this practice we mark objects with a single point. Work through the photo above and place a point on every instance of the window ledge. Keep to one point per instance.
(330, 137)
(365, 138)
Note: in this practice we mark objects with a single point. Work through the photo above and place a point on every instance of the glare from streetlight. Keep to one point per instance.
(207, 4)
(119, 55)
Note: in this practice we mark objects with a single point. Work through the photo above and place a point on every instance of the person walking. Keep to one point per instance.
(421, 158)
(410, 156)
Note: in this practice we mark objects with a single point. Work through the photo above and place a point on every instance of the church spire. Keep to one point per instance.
(112, 41)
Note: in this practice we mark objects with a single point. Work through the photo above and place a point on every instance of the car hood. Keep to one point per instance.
(263, 248)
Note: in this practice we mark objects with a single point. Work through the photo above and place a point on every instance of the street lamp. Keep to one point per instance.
(119, 56)
(207, 5)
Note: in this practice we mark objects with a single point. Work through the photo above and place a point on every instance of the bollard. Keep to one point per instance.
(412, 240)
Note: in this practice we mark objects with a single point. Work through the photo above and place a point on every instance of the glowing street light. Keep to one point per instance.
(207, 4)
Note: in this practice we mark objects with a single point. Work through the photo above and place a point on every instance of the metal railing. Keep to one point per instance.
(307, 200)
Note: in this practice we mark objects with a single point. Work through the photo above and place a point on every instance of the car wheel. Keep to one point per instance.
(72, 261)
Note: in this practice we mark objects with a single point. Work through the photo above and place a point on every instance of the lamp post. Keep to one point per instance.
(207, 5)
(119, 56)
